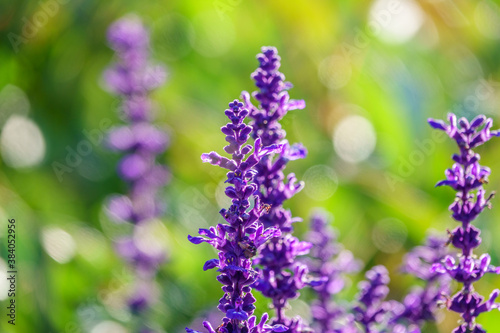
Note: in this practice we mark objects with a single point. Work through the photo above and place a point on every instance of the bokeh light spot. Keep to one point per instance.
(354, 139)
(22, 143)
(321, 182)
(108, 326)
(389, 235)
(151, 237)
(58, 244)
(396, 21)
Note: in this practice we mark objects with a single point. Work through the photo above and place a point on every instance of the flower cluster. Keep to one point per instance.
(132, 77)
(329, 261)
(467, 178)
(238, 240)
(281, 275)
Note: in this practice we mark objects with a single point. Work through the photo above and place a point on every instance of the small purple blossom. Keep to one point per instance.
(239, 238)
(132, 77)
(467, 178)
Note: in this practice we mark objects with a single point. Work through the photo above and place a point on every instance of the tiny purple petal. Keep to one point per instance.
(294, 104)
(280, 328)
(437, 124)
(196, 240)
(236, 315)
(212, 263)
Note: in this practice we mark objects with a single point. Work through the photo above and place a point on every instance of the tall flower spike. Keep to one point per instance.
(239, 238)
(329, 261)
(132, 77)
(281, 275)
(467, 177)
(273, 98)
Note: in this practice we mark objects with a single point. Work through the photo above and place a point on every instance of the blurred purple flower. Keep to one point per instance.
(139, 140)
(421, 303)
(145, 263)
(467, 178)
(330, 262)
(141, 298)
(132, 77)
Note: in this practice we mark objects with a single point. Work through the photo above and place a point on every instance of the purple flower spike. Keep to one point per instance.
(330, 262)
(467, 178)
(281, 276)
(239, 238)
(132, 77)
(139, 140)
(273, 98)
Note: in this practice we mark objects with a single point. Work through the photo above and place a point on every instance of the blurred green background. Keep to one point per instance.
(371, 73)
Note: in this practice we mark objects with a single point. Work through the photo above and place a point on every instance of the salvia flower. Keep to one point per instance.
(372, 310)
(330, 262)
(239, 238)
(467, 178)
(421, 303)
(274, 100)
(281, 275)
(132, 77)
(378, 315)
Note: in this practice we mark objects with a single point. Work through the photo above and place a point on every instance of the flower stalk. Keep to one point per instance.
(467, 178)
